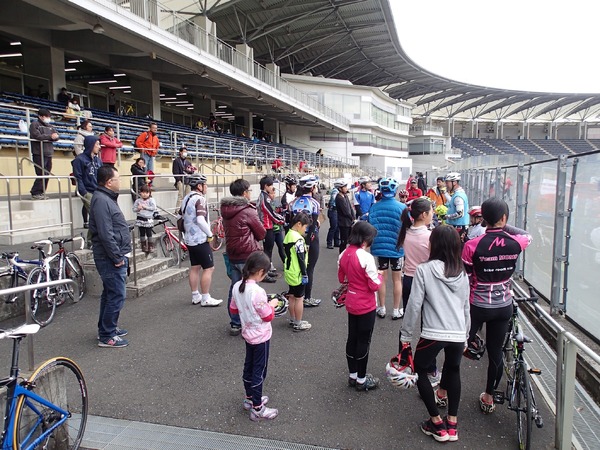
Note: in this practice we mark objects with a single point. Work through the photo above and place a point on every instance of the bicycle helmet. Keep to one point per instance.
(475, 349)
(403, 193)
(339, 296)
(453, 176)
(282, 304)
(475, 211)
(308, 181)
(364, 180)
(400, 371)
(195, 180)
(290, 180)
(340, 183)
(388, 187)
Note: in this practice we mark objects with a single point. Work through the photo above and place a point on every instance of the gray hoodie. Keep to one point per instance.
(443, 304)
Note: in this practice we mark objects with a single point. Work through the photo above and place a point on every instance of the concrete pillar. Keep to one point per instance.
(145, 9)
(244, 58)
(274, 73)
(243, 123)
(451, 127)
(146, 94)
(272, 127)
(45, 66)
(206, 37)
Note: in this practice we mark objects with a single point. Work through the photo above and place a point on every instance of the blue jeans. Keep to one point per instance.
(236, 275)
(112, 298)
(149, 161)
(333, 235)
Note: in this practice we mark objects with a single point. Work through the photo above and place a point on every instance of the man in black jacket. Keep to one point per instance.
(345, 213)
(111, 245)
(42, 149)
(182, 167)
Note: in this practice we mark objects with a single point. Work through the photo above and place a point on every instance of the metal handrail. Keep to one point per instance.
(566, 364)
(30, 287)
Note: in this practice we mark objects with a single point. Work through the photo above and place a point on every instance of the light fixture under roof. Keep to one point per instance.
(15, 43)
(75, 61)
(168, 98)
(70, 69)
(204, 74)
(102, 82)
(181, 93)
(120, 87)
(221, 106)
(98, 29)
(120, 75)
(11, 55)
(260, 97)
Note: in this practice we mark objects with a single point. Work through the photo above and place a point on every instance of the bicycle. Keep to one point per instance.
(218, 232)
(519, 391)
(14, 271)
(47, 410)
(126, 110)
(59, 266)
(170, 244)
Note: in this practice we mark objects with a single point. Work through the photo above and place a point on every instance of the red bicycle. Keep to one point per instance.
(170, 244)
(216, 227)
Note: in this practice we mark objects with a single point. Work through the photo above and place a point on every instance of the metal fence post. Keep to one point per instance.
(564, 403)
(559, 231)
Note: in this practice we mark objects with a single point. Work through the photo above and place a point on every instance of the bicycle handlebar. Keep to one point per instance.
(533, 298)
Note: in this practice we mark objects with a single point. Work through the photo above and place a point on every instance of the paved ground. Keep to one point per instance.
(183, 369)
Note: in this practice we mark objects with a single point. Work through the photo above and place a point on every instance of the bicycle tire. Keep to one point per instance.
(508, 355)
(169, 249)
(72, 397)
(217, 240)
(523, 406)
(74, 271)
(42, 306)
(13, 282)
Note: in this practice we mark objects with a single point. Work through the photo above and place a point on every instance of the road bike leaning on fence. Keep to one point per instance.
(49, 409)
(216, 227)
(170, 244)
(61, 265)
(519, 390)
(13, 273)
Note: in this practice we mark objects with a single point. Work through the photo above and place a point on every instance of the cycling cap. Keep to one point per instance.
(453, 176)
(195, 180)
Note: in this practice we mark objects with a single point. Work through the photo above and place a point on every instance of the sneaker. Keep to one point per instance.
(435, 378)
(86, 225)
(351, 382)
(312, 301)
(486, 407)
(272, 273)
(211, 302)
(196, 298)
(303, 325)
(330, 247)
(397, 314)
(291, 323)
(121, 332)
(235, 330)
(38, 197)
(115, 342)
(381, 311)
(263, 413)
(441, 402)
(248, 402)
(269, 279)
(452, 429)
(437, 431)
(370, 383)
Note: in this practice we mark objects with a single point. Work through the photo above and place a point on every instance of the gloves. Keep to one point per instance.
(209, 239)
(304, 279)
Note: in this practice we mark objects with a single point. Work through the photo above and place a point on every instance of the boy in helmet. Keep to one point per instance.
(457, 204)
(364, 198)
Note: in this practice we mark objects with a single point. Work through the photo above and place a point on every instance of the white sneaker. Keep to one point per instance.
(196, 298)
(397, 313)
(303, 325)
(435, 378)
(211, 302)
(381, 311)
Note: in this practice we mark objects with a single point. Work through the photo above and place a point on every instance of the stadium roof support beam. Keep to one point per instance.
(288, 51)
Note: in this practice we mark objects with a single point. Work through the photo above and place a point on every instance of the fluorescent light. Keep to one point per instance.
(162, 95)
(11, 55)
(190, 108)
(102, 82)
(222, 106)
(15, 43)
(169, 98)
(75, 61)
(177, 102)
(120, 75)
(181, 93)
(120, 87)
(187, 104)
(126, 92)
(72, 69)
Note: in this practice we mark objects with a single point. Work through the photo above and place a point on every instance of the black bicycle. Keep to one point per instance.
(519, 391)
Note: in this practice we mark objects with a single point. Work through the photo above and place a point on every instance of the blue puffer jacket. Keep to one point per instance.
(385, 216)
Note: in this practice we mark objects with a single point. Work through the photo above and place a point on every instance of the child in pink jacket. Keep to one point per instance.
(358, 268)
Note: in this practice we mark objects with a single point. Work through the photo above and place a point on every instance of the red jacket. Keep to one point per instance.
(414, 193)
(242, 228)
(108, 152)
(147, 143)
(357, 266)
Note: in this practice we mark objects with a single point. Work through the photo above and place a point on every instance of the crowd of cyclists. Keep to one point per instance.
(452, 270)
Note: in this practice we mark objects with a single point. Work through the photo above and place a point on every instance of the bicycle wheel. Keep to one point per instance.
(60, 381)
(216, 231)
(169, 249)
(74, 271)
(523, 406)
(9, 279)
(42, 305)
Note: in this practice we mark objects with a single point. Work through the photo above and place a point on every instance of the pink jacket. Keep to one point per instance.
(357, 266)
(109, 146)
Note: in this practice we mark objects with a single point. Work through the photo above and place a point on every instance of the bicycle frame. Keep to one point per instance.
(170, 231)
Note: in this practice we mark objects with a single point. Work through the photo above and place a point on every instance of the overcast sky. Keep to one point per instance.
(529, 45)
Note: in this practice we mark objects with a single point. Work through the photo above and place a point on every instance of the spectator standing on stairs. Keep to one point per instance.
(42, 149)
(85, 170)
(182, 167)
(85, 129)
(109, 145)
(147, 143)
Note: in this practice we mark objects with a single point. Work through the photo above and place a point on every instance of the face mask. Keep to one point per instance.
(184, 155)
(46, 120)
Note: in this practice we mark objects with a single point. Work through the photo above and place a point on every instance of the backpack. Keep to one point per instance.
(180, 225)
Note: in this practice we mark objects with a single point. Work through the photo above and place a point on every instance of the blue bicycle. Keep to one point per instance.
(13, 273)
(49, 409)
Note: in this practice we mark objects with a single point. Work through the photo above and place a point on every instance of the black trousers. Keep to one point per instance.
(269, 243)
(41, 184)
(344, 234)
(313, 257)
(360, 330)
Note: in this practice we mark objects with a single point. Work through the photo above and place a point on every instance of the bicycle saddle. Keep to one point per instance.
(21, 331)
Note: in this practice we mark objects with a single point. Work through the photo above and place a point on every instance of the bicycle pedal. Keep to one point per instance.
(499, 397)
(534, 371)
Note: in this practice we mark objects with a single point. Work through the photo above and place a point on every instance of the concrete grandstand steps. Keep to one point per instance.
(158, 280)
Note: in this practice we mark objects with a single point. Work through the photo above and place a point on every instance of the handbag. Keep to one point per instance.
(180, 225)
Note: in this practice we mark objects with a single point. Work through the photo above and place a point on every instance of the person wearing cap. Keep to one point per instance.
(85, 170)
(413, 191)
(182, 167)
(477, 226)
(42, 136)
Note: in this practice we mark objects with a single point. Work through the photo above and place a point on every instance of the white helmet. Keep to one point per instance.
(308, 181)
(400, 370)
(340, 183)
(453, 176)
(363, 180)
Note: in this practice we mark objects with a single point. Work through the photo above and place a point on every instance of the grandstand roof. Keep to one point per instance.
(356, 40)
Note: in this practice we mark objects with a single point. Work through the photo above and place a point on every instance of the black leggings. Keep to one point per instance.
(344, 233)
(360, 329)
(278, 238)
(145, 232)
(425, 356)
(268, 243)
(313, 257)
(496, 326)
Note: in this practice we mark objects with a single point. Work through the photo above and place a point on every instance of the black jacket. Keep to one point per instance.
(110, 233)
(344, 210)
(181, 167)
(42, 134)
